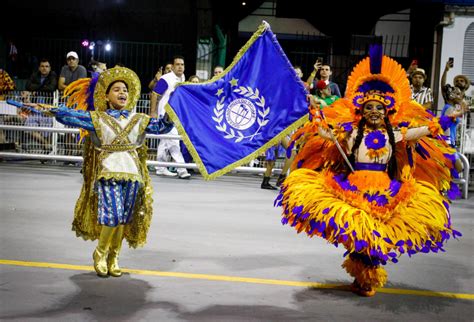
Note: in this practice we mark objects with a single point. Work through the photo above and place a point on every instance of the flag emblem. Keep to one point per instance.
(244, 117)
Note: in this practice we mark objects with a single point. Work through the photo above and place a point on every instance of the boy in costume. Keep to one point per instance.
(116, 196)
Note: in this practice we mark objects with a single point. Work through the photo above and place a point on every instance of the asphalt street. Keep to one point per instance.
(216, 251)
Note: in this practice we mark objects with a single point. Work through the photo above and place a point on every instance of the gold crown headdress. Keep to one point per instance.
(90, 93)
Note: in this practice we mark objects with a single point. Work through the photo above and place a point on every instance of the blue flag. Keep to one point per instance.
(229, 120)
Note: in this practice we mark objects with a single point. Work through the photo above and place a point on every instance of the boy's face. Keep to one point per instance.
(118, 96)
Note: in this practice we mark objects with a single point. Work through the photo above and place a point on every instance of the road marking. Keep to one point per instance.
(237, 279)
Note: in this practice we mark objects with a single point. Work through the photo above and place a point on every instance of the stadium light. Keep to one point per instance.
(85, 43)
(108, 46)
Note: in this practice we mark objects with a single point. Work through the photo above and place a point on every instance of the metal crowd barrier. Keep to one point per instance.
(42, 138)
(54, 156)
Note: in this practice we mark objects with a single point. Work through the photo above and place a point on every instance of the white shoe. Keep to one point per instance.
(184, 175)
(165, 172)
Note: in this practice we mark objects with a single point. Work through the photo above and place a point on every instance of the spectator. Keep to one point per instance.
(218, 70)
(271, 155)
(6, 83)
(97, 67)
(420, 93)
(452, 112)
(12, 59)
(324, 71)
(298, 71)
(19, 119)
(36, 120)
(158, 75)
(323, 94)
(460, 81)
(43, 80)
(451, 115)
(194, 79)
(163, 88)
(72, 71)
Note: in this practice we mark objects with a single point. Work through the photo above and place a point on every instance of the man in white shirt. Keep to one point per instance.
(420, 93)
(163, 88)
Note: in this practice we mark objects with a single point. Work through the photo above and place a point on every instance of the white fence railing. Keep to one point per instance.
(39, 137)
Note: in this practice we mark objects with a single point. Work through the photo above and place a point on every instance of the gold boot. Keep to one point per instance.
(100, 253)
(115, 246)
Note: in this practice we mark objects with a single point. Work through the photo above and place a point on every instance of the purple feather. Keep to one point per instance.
(290, 149)
(456, 233)
(300, 163)
(454, 192)
(375, 54)
(394, 187)
(297, 210)
(422, 151)
(454, 173)
(90, 92)
(445, 122)
(451, 157)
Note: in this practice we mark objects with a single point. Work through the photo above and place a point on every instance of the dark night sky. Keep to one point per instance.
(179, 21)
(168, 20)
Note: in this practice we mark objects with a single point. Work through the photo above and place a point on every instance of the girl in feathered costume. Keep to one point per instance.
(116, 196)
(391, 200)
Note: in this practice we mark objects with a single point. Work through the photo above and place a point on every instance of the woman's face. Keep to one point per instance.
(118, 96)
(374, 112)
